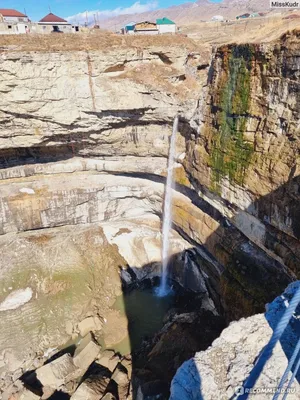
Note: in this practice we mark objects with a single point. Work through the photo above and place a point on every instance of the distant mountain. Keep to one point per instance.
(190, 13)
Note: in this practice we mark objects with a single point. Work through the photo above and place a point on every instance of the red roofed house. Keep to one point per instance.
(53, 23)
(13, 21)
(10, 15)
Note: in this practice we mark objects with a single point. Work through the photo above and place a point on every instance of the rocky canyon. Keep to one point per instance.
(84, 142)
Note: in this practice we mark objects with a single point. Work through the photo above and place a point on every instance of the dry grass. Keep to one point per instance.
(93, 40)
(254, 30)
(164, 78)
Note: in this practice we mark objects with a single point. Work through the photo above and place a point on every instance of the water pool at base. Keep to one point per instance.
(145, 312)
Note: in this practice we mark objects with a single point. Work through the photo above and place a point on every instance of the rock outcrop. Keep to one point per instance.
(220, 371)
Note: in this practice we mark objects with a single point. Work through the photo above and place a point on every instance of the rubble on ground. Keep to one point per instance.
(86, 374)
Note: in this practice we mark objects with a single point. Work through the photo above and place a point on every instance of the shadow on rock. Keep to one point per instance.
(166, 331)
(243, 265)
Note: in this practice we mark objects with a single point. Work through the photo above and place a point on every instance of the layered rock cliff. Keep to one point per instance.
(244, 161)
(83, 150)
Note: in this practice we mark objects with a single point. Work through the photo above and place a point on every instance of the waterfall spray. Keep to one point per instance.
(163, 289)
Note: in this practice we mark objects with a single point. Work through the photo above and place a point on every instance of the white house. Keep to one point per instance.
(10, 15)
(165, 25)
(218, 18)
(53, 23)
(13, 21)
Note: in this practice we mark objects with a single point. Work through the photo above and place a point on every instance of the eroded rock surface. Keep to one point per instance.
(222, 369)
(243, 159)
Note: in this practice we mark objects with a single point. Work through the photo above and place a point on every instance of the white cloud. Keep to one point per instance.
(105, 14)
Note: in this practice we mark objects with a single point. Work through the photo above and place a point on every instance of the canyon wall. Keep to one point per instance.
(243, 159)
(83, 153)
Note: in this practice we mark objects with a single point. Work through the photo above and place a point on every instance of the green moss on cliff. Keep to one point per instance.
(231, 154)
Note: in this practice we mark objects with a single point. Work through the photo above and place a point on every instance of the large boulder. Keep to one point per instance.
(84, 358)
(89, 324)
(108, 359)
(65, 371)
(120, 377)
(93, 388)
(58, 372)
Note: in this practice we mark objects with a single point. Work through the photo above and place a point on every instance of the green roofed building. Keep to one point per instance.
(129, 28)
(165, 25)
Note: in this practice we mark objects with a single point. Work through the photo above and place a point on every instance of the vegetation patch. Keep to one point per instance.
(180, 176)
(231, 153)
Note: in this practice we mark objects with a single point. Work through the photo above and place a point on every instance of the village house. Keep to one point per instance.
(129, 28)
(146, 28)
(218, 18)
(10, 15)
(13, 21)
(165, 25)
(53, 23)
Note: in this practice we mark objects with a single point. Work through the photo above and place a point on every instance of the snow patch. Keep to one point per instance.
(49, 352)
(27, 190)
(16, 299)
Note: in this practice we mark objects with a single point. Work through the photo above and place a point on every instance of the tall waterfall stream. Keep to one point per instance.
(167, 217)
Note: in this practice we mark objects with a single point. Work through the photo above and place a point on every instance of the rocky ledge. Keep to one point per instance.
(220, 371)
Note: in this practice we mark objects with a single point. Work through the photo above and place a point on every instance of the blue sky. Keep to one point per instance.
(65, 8)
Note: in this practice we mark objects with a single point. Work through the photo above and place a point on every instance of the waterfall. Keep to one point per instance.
(163, 289)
